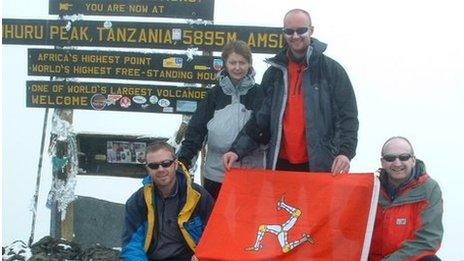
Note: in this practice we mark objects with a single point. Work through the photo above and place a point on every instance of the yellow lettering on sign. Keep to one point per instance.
(206, 76)
(15, 31)
(276, 41)
(91, 70)
(181, 94)
(251, 40)
(167, 38)
(39, 87)
(177, 75)
(116, 8)
(79, 33)
(137, 60)
(265, 40)
(138, 9)
(59, 100)
(57, 57)
(231, 36)
(157, 9)
(135, 35)
(132, 72)
(94, 7)
(86, 89)
(99, 58)
(152, 73)
(52, 69)
(130, 91)
(210, 38)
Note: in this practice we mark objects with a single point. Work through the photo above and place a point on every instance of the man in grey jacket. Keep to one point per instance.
(309, 114)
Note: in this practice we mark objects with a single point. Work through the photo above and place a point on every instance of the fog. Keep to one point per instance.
(404, 58)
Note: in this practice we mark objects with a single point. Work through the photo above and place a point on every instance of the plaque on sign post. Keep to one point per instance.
(139, 35)
(113, 97)
(123, 65)
(192, 9)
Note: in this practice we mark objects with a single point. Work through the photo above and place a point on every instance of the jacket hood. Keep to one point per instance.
(316, 49)
(242, 87)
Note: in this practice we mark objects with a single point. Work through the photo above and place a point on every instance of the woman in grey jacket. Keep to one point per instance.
(222, 114)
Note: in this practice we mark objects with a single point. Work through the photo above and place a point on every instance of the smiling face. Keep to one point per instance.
(298, 43)
(398, 170)
(163, 177)
(237, 66)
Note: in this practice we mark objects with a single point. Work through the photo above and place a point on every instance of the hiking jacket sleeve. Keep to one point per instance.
(344, 101)
(135, 229)
(429, 235)
(197, 129)
(257, 129)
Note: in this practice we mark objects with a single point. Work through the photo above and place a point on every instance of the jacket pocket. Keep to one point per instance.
(195, 227)
(323, 156)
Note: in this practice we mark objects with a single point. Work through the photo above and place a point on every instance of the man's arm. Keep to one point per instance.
(346, 109)
(135, 227)
(428, 237)
(206, 204)
(257, 130)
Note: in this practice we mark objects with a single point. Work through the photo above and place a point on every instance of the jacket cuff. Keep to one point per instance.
(236, 152)
(347, 153)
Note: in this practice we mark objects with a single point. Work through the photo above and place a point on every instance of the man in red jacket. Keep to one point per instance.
(408, 224)
(309, 116)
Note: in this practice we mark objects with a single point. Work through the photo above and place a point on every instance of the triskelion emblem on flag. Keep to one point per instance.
(281, 231)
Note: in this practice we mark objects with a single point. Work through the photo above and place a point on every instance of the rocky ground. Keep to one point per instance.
(50, 249)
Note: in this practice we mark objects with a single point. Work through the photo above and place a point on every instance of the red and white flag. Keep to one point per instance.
(282, 215)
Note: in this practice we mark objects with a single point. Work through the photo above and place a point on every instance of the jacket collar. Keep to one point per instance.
(414, 179)
(315, 50)
(242, 87)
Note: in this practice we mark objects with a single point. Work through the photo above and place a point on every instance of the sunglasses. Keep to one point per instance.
(299, 30)
(164, 164)
(391, 157)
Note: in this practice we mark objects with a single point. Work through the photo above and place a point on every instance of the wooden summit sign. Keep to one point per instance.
(139, 35)
(113, 97)
(191, 9)
(123, 65)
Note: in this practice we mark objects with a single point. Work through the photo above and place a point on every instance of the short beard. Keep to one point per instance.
(297, 57)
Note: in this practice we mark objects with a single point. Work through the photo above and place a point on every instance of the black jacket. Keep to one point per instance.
(330, 111)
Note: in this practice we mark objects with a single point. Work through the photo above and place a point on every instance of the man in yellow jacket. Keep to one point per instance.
(166, 217)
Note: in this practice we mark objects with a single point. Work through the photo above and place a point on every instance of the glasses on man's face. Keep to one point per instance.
(391, 157)
(299, 31)
(164, 164)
